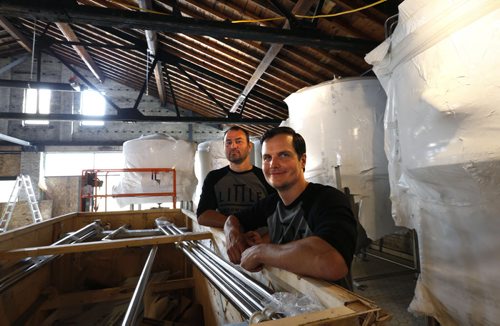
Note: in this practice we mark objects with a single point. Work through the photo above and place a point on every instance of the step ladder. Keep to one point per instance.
(22, 182)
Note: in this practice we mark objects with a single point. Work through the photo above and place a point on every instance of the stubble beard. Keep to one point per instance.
(237, 160)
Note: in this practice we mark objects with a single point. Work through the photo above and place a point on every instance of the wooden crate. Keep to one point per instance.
(99, 277)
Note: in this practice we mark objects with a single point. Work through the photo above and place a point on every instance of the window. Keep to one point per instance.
(72, 164)
(6, 187)
(92, 103)
(36, 101)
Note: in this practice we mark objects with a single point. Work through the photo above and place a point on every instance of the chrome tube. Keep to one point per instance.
(114, 233)
(76, 236)
(245, 306)
(215, 280)
(229, 273)
(125, 233)
(249, 296)
(244, 292)
(133, 308)
(262, 290)
(31, 264)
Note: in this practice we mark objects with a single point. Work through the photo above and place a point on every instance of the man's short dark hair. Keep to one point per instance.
(299, 144)
(238, 128)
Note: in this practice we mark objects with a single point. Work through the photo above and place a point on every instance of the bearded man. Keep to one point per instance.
(234, 187)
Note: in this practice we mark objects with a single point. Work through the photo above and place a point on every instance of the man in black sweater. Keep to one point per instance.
(311, 229)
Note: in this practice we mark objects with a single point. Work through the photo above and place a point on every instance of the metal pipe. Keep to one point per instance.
(260, 291)
(238, 303)
(225, 277)
(125, 233)
(249, 296)
(32, 264)
(75, 236)
(255, 285)
(114, 233)
(234, 278)
(248, 281)
(241, 303)
(133, 308)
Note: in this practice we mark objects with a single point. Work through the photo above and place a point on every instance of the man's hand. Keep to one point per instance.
(250, 258)
(236, 241)
(253, 238)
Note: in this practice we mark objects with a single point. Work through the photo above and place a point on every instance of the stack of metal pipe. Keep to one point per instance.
(28, 265)
(244, 292)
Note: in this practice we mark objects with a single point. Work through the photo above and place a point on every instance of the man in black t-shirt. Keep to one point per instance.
(234, 187)
(311, 228)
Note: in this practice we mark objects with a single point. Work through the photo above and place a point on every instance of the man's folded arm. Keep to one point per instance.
(311, 256)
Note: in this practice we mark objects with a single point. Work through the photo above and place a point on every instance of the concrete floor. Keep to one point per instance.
(389, 285)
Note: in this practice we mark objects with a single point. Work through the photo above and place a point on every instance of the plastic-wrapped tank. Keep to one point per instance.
(157, 151)
(341, 121)
(441, 72)
(209, 156)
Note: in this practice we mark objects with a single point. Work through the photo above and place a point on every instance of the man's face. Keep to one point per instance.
(282, 168)
(236, 146)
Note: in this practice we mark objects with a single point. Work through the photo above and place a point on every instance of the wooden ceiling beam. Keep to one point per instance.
(70, 35)
(336, 68)
(15, 33)
(152, 45)
(141, 20)
(301, 7)
(371, 13)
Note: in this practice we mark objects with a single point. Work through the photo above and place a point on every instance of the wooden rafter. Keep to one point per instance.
(82, 52)
(152, 44)
(15, 33)
(300, 8)
(218, 29)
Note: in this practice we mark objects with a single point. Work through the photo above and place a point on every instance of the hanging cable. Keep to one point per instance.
(264, 19)
(310, 17)
(33, 49)
(147, 71)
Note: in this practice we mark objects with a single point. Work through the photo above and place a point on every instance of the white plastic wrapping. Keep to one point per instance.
(342, 124)
(209, 156)
(441, 72)
(157, 151)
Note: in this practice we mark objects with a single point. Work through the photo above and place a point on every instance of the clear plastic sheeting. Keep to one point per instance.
(293, 304)
(157, 151)
(342, 123)
(441, 73)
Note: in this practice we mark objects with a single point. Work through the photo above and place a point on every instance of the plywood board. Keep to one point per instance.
(10, 165)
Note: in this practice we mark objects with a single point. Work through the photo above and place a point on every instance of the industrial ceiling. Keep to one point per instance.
(231, 61)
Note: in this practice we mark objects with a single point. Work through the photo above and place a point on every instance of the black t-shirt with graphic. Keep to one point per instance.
(228, 191)
(320, 210)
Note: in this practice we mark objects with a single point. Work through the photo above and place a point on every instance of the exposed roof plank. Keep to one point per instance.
(152, 44)
(15, 33)
(121, 18)
(82, 52)
(301, 7)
